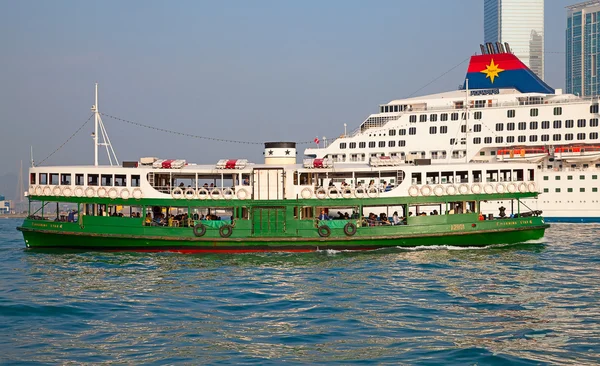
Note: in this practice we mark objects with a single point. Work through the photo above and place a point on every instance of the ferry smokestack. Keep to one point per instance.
(482, 49)
(280, 153)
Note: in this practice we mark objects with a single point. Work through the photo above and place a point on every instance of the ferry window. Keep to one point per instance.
(510, 113)
(54, 179)
(401, 143)
(594, 108)
(452, 141)
(533, 125)
(477, 115)
(454, 116)
(402, 131)
(433, 130)
(423, 118)
(569, 123)
(381, 143)
(510, 139)
(518, 174)
(416, 178)
(593, 135)
(43, 178)
(570, 190)
(386, 109)
(444, 117)
(545, 137)
(581, 136)
(342, 145)
(362, 145)
(556, 137)
(477, 128)
(581, 123)
(433, 117)
(568, 136)
(371, 144)
(499, 139)
(92, 179)
(412, 131)
(533, 112)
(477, 140)
(444, 129)
(462, 177)
(65, 179)
(499, 126)
(522, 126)
(391, 143)
(545, 125)
(594, 122)
(522, 138)
(381, 109)
(106, 180)
(412, 118)
(463, 128)
(32, 178)
(120, 180)
(352, 145)
(510, 126)
(557, 111)
(79, 181)
(392, 133)
(533, 138)
(488, 140)
(557, 124)
(395, 108)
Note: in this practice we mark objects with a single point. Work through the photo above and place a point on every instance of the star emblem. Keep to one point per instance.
(287, 152)
(492, 71)
(270, 152)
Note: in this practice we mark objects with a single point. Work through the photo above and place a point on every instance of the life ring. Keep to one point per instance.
(347, 192)
(177, 193)
(324, 231)
(511, 187)
(242, 194)
(321, 193)
(215, 194)
(306, 193)
(189, 193)
(101, 192)
(228, 193)
(137, 193)
(532, 187)
(350, 229)
(372, 192)
(522, 187)
(451, 190)
(359, 192)
(488, 188)
(225, 231)
(476, 188)
(90, 192)
(333, 193)
(500, 188)
(79, 192)
(202, 193)
(426, 190)
(463, 188)
(199, 229)
(39, 190)
(438, 190)
(67, 192)
(113, 193)
(125, 194)
(413, 191)
(47, 191)
(56, 191)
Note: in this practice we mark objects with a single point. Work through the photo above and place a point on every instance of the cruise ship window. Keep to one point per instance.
(522, 138)
(386, 109)
(443, 129)
(582, 177)
(594, 189)
(477, 140)
(546, 190)
(593, 135)
(352, 145)
(510, 139)
(433, 117)
(568, 136)
(362, 145)
(381, 143)
(487, 140)
(402, 132)
(499, 139)
(594, 107)
(381, 109)
(594, 122)
(510, 113)
(556, 137)
(371, 144)
(391, 143)
(533, 125)
(477, 115)
(557, 177)
(569, 123)
(392, 133)
(522, 126)
(433, 130)
(557, 190)
(581, 136)
(412, 131)
(499, 126)
(594, 176)
(79, 180)
(510, 126)
(342, 145)
(479, 103)
(557, 111)
(454, 116)
(582, 189)
(477, 128)
(401, 143)
(423, 118)
(395, 108)
(412, 118)
(581, 123)
(444, 117)
(463, 128)
(569, 190)
(533, 138)
(533, 112)
(557, 124)
(545, 125)
(545, 137)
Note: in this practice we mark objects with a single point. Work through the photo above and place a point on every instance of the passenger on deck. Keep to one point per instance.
(395, 219)
(246, 182)
(383, 219)
(148, 219)
(458, 209)
(71, 216)
(355, 215)
(323, 216)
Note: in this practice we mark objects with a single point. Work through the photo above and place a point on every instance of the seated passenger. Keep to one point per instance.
(383, 219)
(148, 219)
(323, 215)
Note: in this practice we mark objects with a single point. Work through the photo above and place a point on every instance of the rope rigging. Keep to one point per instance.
(69, 139)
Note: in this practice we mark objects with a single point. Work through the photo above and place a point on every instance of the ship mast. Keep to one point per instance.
(467, 121)
(98, 125)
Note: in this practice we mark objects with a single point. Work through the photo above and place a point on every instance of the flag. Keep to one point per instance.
(316, 140)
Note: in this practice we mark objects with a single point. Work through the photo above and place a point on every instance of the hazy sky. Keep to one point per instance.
(242, 70)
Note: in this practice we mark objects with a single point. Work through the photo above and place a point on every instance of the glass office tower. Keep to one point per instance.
(582, 45)
(521, 24)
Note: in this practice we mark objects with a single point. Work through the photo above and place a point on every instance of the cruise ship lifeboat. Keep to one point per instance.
(532, 155)
(574, 154)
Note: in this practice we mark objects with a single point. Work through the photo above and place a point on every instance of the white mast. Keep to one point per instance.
(96, 116)
(105, 140)
(467, 121)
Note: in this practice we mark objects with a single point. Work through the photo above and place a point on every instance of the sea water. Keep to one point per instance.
(526, 304)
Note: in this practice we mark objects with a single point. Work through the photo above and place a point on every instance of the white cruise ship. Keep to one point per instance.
(503, 112)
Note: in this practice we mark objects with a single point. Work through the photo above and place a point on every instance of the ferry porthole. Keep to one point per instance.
(511, 187)
(125, 194)
(438, 190)
(532, 187)
(67, 192)
(321, 193)
(488, 188)
(202, 193)
(228, 193)
(101, 192)
(372, 192)
(347, 192)
(177, 193)
(359, 192)
(324, 231)
(522, 187)
(199, 230)
(500, 188)
(426, 190)
(189, 193)
(476, 188)
(56, 191)
(242, 194)
(333, 193)
(113, 193)
(306, 193)
(39, 190)
(413, 191)
(215, 194)
(225, 231)
(137, 193)
(79, 192)
(451, 190)
(90, 192)
(350, 229)
(463, 188)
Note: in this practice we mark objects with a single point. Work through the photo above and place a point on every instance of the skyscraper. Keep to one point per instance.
(583, 47)
(521, 24)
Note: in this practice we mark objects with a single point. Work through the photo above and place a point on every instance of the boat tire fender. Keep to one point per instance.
(225, 231)
(306, 193)
(350, 229)
(324, 231)
(333, 193)
(199, 229)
